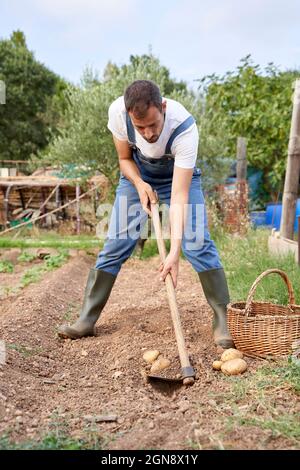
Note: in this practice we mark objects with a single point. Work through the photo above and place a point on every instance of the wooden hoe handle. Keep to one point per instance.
(187, 370)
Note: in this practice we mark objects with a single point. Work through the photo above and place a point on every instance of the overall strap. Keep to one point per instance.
(130, 129)
(181, 128)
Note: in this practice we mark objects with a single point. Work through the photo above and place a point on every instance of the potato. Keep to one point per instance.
(217, 365)
(160, 364)
(151, 356)
(231, 353)
(234, 366)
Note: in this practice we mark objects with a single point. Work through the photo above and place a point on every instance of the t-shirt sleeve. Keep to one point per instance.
(116, 123)
(185, 148)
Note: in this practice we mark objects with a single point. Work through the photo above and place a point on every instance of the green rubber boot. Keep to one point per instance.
(98, 287)
(215, 289)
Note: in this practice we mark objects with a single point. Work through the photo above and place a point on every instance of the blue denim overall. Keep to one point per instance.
(128, 217)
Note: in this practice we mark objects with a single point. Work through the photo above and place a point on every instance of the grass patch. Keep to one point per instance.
(267, 399)
(55, 261)
(26, 257)
(57, 437)
(284, 375)
(82, 242)
(285, 425)
(23, 350)
(35, 273)
(50, 441)
(32, 275)
(150, 248)
(6, 267)
(7, 290)
(288, 373)
(244, 259)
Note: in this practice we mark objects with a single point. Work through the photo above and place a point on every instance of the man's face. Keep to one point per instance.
(151, 125)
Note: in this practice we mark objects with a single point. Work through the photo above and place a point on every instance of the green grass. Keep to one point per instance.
(32, 275)
(6, 267)
(50, 441)
(288, 373)
(150, 249)
(81, 242)
(35, 273)
(285, 425)
(26, 257)
(57, 437)
(281, 374)
(244, 259)
(23, 350)
(258, 400)
(253, 400)
(55, 261)
(7, 290)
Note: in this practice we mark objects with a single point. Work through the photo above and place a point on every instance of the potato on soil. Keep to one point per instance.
(150, 356)
(234, 367)
(231, 353)
(160, 364)
(217, 365)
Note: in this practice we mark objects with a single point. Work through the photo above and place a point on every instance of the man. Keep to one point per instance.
(157, 141)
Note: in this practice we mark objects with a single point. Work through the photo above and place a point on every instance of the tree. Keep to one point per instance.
(33, 100)
(255, 104)
(152, 70)
(84, 138)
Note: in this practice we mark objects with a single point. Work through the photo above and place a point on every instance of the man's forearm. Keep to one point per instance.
(131, 171)
(146, 194)
(178, 209)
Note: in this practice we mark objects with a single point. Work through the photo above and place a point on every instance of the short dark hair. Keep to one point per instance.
(140, 95)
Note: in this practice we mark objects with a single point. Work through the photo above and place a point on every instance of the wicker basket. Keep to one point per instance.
(262, 329)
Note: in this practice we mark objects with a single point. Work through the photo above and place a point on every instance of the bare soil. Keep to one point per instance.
(47, 379)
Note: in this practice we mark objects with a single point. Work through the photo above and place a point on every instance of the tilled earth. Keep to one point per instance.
(47, 381)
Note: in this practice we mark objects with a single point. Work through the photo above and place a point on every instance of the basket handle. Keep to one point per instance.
(264, 274)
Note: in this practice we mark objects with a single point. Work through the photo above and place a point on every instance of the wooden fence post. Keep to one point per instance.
(241, 157)
(77, 209)
(291, 183)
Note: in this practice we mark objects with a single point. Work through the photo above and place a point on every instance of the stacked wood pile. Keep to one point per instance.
(234, 206)
(23, 197)
(233, 198)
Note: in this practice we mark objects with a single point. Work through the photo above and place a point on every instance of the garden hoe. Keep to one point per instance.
(187, 375)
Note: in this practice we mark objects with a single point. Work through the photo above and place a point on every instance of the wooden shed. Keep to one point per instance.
(23, 197)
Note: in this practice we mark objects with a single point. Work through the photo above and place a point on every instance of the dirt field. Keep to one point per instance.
(47, 382)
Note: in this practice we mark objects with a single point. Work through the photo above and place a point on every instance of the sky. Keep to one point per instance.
(192, 38)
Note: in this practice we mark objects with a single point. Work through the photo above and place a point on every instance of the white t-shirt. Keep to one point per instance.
(185, 145)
